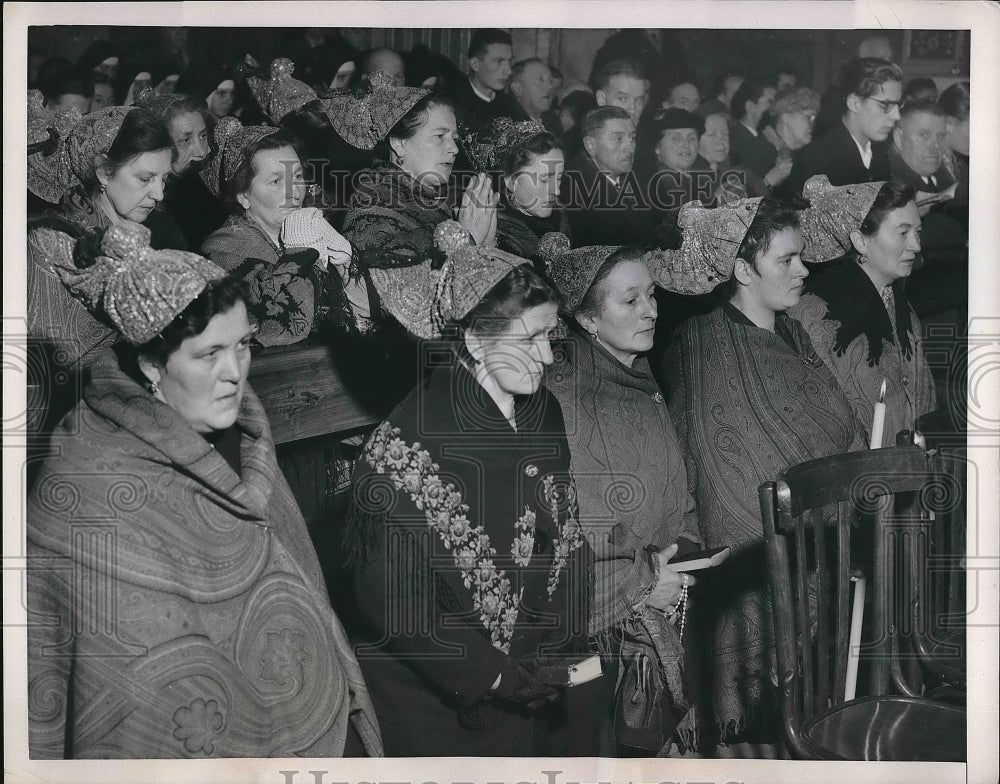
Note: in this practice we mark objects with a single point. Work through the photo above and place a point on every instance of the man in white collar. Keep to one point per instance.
(490, 54)
(746, 143)
(917, 159)
(856, 148)
(604, 201)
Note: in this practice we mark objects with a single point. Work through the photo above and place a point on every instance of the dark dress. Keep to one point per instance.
(519, 233)
(442, 473)
(193, 207)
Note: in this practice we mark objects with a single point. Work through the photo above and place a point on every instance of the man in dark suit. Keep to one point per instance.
(856, 148)
(917, 158)
(478, 97)
(531, 92)
(604, 201)
(748, 145)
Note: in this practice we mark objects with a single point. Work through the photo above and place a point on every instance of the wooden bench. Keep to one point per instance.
(304, 395)
(300, 387)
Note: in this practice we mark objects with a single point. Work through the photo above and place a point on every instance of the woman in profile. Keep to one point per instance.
(749, 397)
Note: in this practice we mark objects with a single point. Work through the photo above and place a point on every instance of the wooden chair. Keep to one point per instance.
(820, 519)
(928, 639)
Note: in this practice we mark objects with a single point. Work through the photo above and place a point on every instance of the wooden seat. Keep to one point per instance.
(929, 644)
(821, 520)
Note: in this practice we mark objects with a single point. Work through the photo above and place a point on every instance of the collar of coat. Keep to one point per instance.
(856, 305)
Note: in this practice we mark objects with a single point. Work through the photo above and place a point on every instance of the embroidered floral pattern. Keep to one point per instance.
(411, 469)
(524, 543)
(198, 725)
(569, 533)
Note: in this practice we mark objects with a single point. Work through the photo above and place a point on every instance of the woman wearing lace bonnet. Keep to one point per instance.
(476, 458)
(172, 449)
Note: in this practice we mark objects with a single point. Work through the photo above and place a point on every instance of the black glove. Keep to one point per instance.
(520, 686)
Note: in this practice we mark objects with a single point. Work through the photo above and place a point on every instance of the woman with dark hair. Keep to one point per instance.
(676, 180)
(530, 162)
(194, 620)
(749, 397)
(635, 506)
(110, 167)
(295, 262)
(856, 311)
(463, 518)
(404, 196)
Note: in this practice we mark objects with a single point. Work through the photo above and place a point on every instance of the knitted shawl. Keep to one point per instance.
(188, 615)
(747, 405)
(855, 337)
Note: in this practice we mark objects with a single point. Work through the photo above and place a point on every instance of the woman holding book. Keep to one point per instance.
(635, 506)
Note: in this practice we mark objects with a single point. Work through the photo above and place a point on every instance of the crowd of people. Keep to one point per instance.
(597, 317)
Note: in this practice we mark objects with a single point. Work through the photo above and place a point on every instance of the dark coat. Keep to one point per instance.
(426, 645)
(940, 231)
(836, 155)
(197, 212)
(601, 213)
(756, 153)
(473, 112)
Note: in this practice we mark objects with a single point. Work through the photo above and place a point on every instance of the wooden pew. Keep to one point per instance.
(304, 395)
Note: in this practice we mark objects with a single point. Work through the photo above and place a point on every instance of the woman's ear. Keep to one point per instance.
(396, 146)
(243, 200)
(101, 169)
(508, 184)
(742, 271)
(860, 242)
(474, 344)
(150, 370)
(588, 322)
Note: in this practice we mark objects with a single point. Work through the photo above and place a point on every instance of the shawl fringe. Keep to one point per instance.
(853, 301)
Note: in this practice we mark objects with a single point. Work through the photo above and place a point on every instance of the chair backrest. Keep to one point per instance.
(930, 607)
(821, 520)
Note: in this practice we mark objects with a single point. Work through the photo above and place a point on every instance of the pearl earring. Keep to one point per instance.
(154, 387)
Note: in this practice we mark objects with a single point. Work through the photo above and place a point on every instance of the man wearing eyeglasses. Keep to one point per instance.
(856, 148)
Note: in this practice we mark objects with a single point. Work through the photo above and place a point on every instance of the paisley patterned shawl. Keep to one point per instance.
(747, 405)
(217, 638)
(289, 297)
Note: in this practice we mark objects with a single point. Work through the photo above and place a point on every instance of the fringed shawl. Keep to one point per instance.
(519, 233)
(189, 614)
(851, 330)
(290, 298)
(746, 405)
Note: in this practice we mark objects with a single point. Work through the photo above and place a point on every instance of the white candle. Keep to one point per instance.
(878, 419)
